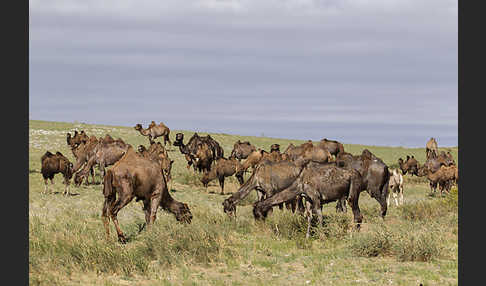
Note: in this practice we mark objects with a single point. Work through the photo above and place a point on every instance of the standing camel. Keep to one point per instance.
(154, 131)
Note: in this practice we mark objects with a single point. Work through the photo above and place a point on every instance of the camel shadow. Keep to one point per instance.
(70, 194)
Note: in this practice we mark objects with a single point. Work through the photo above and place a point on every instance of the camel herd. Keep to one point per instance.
(302, 178)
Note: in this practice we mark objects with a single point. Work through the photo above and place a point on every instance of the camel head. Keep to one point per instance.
(138, 127)
(78, 179)
(229, 208)
(275, 147)
(141, 149)
(179, 139)
(183, 213)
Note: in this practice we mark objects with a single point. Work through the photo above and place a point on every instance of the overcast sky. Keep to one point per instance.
(377, 72)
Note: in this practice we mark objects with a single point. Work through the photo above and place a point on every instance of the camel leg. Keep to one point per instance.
(122, 201)
(401, 196)
(154, 205)
(221, 183)
(388, 199)
(66, 188)
(353, 203)
(52, 182)
(395, 197)
(46, 189)
(93, 175)
(105, 215)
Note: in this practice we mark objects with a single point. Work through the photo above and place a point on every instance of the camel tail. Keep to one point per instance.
(107, 184)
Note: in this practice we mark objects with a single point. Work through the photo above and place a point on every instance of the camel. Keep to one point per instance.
(204, 157)
(374, 173)
(190, 149)
(77, 139)
(158, 153)
(410, 165)
(334, 147)
(104, 154)
(155, 131)
(396, 187)
(444, 177)
(134, 176)
(82, 154)
(223, 168)
(241, 150)
(321, 155)
(431, 149)
(268, 178)
(318, 183)
(52, 164)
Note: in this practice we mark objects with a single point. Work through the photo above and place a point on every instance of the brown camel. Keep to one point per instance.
(82, 154)
(410, 165)
(334, 147)
(444, 177)
(321, 155)
(134, 176)
(190, 149)
(223, 168)
(52, 164)
(431, 149)
(155, 131)
(104, 154)
(318, 183)
(204, 157)
(158, 153)
(77, 139)
(241, 150)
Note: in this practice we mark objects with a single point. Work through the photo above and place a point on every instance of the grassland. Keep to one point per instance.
(417, 243)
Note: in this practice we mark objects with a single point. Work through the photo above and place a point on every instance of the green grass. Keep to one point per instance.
(416, 243)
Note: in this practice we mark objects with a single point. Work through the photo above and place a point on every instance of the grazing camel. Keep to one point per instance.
(134, 176)
(53, 164)
(158, 153)
(154, 131)
(104, 154)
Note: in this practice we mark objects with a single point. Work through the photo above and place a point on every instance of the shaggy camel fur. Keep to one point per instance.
(134, 176)
(241, 150)
(52, 164)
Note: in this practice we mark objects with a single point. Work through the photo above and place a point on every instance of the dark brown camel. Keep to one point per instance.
(190, 149)
(268, 178)
(241, 150)
(155, 131)
(374, 174)
(134, 176)
(52, 164)
(319, 183)
(204, 157)
(223, 168)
